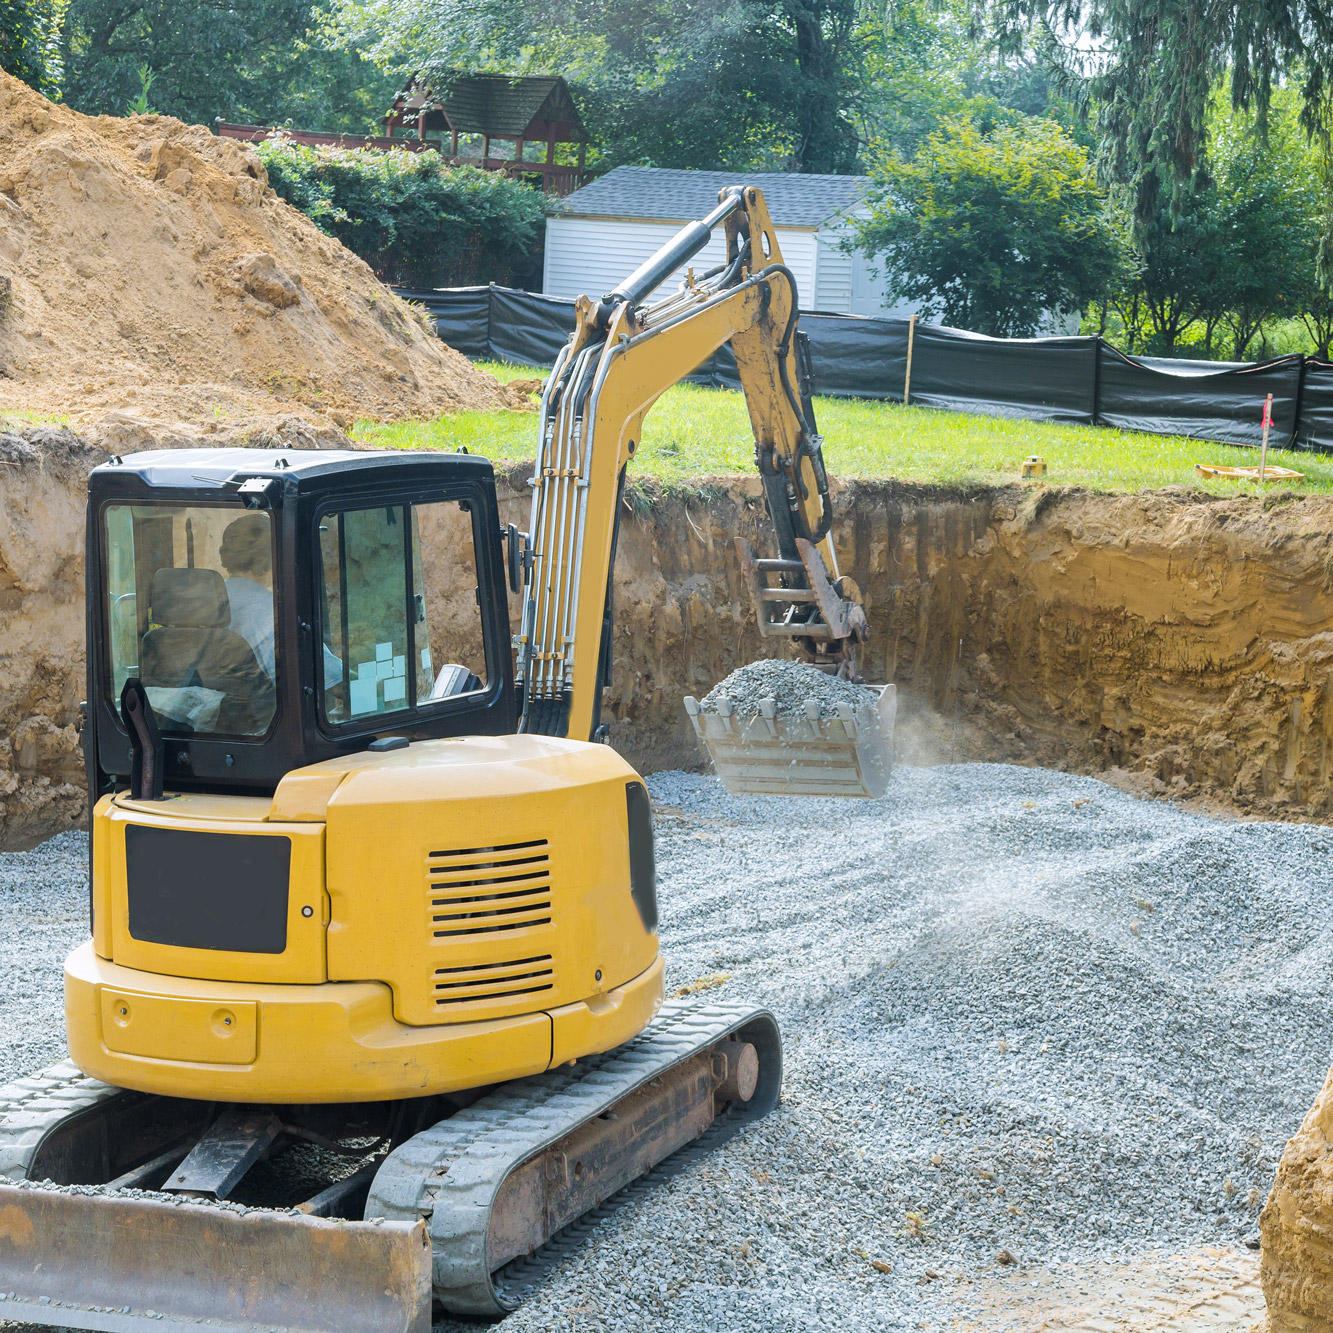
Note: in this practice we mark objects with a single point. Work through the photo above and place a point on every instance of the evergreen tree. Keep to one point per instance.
(1151, 67)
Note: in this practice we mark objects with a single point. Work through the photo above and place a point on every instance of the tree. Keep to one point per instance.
(243, 60)
(1184, 272)
(1305, 293)
(1317, 316)
(1267, 212)
(1237, 253)
(1153, 65)
(992, 227)
(686, 83)
(30, 43)
(917, 69)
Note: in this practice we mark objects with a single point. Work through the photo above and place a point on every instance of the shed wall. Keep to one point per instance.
(833, 275)
(591, 255)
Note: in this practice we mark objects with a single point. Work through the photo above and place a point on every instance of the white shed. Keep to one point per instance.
(600, 233)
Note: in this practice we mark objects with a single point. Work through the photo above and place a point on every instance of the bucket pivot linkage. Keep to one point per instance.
(848, 753)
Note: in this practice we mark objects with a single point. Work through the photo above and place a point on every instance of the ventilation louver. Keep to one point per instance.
(460, 987)
(489, 890)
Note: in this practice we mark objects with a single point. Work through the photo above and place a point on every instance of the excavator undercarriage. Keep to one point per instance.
(126, 1211)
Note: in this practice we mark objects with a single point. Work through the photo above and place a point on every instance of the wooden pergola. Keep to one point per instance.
(520, 110)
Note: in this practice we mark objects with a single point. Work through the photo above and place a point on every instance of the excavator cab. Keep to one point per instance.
(252, 613)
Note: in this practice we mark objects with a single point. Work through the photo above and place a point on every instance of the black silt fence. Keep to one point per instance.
(1041, 379)
(1200, 398)
(1076, 380)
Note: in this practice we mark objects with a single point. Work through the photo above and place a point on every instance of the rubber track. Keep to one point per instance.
(30, 1108)
(450, 1174)
(518, 1280)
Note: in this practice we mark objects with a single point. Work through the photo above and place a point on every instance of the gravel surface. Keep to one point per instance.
(1022, 1011)
(789, 685)
(43, 915)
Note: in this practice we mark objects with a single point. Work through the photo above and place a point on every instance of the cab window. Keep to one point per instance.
(190, 613)
(400, 614)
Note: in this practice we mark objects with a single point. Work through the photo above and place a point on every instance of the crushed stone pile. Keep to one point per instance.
(147, 269)
(1023, 1012)
(789, 685)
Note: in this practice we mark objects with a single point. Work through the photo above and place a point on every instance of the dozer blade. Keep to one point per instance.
(128, 1263)
(849, 754)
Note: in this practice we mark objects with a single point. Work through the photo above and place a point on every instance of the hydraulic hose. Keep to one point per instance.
(808, 446)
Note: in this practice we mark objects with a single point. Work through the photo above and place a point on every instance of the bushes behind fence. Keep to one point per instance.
(413, 219)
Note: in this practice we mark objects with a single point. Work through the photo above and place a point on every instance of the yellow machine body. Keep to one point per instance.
(459, 913)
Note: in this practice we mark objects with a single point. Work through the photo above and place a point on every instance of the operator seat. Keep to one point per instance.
(191, 643)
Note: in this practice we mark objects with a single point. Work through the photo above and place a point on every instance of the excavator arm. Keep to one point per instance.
(623, 355)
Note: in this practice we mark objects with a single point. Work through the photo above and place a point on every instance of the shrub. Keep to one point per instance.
(30, 43)
(992, 227)
(414, 220)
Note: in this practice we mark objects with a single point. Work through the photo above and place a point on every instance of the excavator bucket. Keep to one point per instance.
(848, 754)
(842, 749)
(81, 1259)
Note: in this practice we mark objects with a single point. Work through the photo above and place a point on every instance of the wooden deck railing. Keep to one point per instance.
(551, 177)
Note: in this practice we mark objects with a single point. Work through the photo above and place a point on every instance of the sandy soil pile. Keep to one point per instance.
(1298, 1247)
(148, 270)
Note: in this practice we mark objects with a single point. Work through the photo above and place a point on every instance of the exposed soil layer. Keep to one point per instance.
(42, 483)
(149, 273)
(1177, 643)
(1183, 638)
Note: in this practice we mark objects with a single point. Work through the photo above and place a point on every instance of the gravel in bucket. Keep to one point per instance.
(789, 685)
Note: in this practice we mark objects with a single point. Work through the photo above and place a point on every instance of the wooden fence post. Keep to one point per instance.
(907, 379)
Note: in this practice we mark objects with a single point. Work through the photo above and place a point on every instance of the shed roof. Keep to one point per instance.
(794, 199)
(505, 105)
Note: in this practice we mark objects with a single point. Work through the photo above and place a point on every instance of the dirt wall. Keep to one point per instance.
(1184, 639)
(42, 479)
(1181, 637)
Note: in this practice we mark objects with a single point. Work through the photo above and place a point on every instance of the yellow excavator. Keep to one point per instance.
(372, 1007)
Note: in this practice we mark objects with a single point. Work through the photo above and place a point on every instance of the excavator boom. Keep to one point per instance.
(624, 354)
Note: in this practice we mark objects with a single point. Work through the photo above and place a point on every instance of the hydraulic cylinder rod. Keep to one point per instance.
(655, 270)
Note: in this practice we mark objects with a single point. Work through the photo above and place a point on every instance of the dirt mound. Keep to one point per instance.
(146, 267)
(1297, 1247)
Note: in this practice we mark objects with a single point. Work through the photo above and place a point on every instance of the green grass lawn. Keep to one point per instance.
(694, 432)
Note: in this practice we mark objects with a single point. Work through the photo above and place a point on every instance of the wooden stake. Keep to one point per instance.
(907, 379)
(1263, 449)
